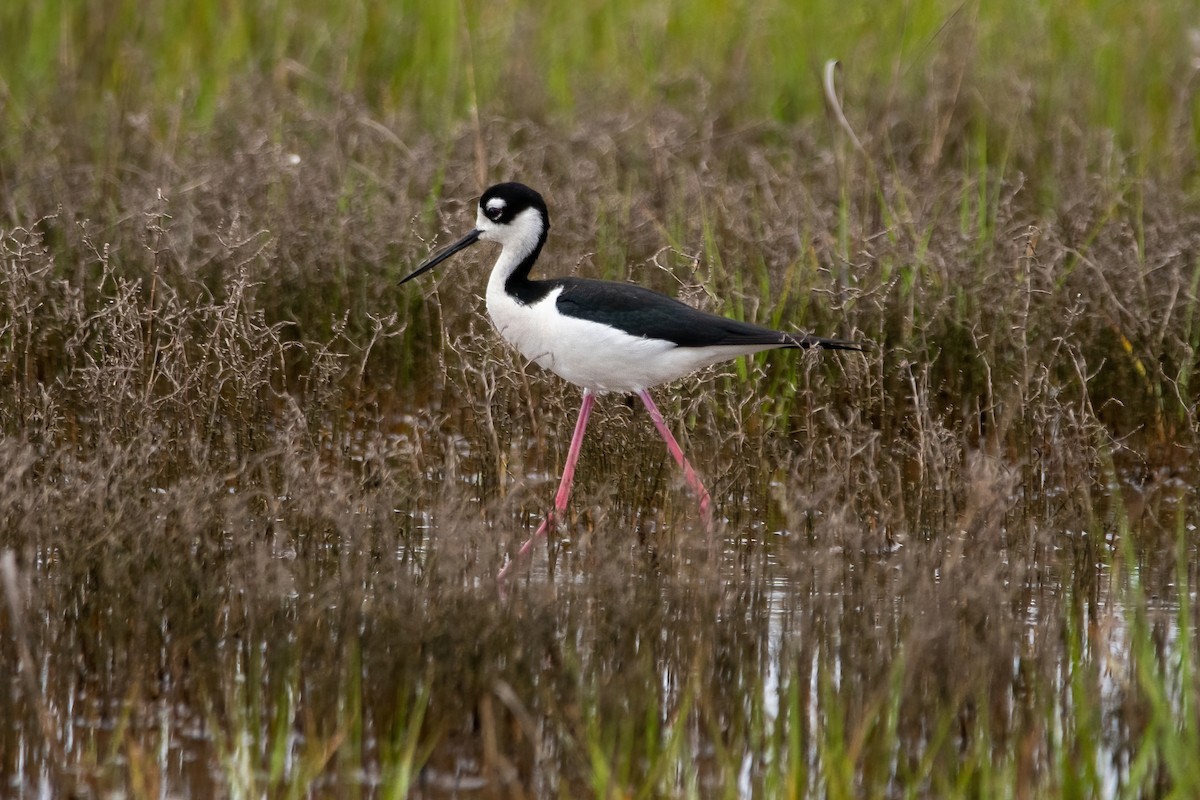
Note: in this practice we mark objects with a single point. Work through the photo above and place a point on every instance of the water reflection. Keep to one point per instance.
(339, 639)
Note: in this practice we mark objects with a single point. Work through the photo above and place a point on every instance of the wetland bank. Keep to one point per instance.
(253, 496)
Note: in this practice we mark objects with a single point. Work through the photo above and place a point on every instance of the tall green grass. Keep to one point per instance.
(1027, 70)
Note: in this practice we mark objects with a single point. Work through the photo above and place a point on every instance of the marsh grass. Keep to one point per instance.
(253, 497)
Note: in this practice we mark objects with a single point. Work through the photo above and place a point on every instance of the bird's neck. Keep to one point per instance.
(511, 273)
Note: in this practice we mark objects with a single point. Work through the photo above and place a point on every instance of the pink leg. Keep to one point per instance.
(677, 453)
(564, 486)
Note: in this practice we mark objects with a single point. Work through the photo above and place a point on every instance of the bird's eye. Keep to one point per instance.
(494, 212)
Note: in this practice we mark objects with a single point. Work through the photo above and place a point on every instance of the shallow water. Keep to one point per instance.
(769, 627)
(337, 644)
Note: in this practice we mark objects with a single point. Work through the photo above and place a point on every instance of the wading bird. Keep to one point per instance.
(602, 336)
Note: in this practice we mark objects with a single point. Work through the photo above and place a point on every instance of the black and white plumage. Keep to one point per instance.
(603, 336)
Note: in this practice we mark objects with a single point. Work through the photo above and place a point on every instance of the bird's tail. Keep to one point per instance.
(808, 340)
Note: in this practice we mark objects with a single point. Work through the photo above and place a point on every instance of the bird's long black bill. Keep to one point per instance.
(468, 240)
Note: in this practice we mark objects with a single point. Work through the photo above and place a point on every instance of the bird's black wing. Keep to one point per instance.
(642, 312)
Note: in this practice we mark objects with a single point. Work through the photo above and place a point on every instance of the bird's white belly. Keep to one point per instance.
(590, 354)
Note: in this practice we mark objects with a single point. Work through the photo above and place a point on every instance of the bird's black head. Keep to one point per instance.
(502, 203)
(509, 213)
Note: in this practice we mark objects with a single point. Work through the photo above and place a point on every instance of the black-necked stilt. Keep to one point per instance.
(600, 335)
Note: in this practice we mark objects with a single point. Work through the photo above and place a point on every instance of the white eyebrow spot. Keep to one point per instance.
(496, 203)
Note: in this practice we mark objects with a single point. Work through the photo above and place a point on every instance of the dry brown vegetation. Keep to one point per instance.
(255, 494)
